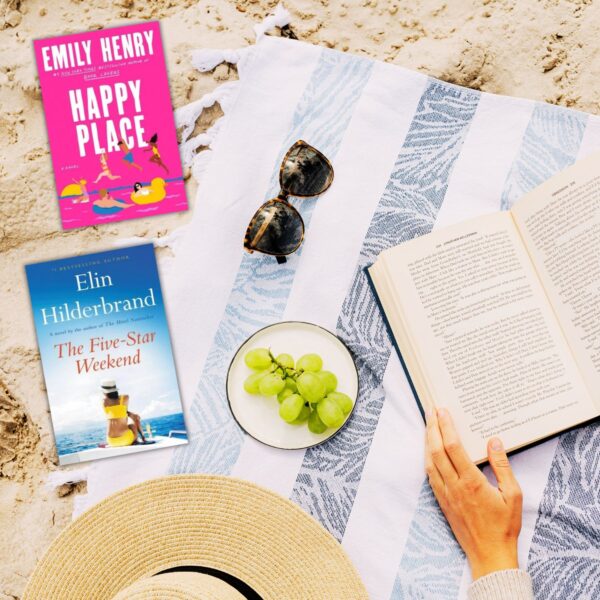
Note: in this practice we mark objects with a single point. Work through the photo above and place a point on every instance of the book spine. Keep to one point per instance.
(394, 342)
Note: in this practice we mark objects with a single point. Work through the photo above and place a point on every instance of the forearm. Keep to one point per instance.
(500, 585)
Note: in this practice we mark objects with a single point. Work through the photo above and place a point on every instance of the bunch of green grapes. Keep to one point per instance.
(306, 393)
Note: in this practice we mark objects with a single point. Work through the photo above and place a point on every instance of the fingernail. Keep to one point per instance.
(442, 413)
(496, 444)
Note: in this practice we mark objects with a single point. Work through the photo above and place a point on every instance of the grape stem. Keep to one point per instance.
(289, 372)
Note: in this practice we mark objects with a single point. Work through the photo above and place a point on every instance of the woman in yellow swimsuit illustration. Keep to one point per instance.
(105, 172)
(155, 158)
(119, 432)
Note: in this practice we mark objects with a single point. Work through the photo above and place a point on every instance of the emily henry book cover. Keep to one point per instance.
(110, 125)
(106, 353)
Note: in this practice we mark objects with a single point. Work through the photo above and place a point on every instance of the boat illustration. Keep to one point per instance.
(104, 451)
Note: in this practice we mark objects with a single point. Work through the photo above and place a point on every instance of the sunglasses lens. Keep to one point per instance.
(275, 229)
(305, 172)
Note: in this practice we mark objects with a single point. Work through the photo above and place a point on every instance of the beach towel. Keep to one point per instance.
(410, 154)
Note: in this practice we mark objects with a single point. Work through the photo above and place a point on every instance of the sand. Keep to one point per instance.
(536, 49)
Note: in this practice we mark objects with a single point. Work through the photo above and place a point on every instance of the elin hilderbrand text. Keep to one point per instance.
(91, 281)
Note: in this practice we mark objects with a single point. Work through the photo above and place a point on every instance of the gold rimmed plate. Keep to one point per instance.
(259, 416)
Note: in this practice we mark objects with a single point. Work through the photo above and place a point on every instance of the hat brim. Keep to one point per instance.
(209, 521)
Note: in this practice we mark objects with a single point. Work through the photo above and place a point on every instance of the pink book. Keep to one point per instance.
(110, 125)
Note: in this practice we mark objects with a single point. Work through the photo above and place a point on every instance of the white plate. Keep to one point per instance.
(259, 416)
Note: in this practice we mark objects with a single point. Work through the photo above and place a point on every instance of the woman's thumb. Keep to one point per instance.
(507, 483)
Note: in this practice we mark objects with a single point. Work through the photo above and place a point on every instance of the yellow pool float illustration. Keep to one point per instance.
(76, 190)
(149, 194)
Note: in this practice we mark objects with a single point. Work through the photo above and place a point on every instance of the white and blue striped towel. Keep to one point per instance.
(410, 153)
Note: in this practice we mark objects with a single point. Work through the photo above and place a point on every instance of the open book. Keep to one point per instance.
(498, 318)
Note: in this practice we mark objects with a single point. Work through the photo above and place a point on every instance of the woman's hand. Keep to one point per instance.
(486, 520)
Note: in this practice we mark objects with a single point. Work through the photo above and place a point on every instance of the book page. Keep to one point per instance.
(485, 336)
(560, 224)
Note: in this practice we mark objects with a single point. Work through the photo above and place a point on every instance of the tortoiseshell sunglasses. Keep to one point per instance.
(277, 227)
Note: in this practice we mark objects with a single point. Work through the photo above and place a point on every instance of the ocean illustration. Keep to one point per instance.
(95, 436)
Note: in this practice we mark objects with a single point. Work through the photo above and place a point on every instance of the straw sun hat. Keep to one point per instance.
(195, 537)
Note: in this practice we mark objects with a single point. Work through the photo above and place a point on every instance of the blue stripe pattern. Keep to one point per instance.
(262, 287)
(330, 474)
(564, 556)
(433, 563)
(550, 144)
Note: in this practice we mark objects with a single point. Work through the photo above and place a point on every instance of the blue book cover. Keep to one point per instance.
(106, 354)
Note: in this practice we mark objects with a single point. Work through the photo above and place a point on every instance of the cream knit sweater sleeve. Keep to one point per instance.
(512, 584)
